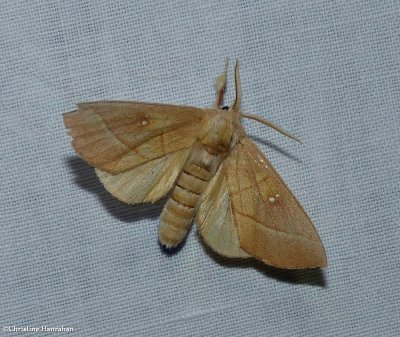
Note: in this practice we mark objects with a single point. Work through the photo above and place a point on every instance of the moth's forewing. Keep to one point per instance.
(272, 225)
(116, 136)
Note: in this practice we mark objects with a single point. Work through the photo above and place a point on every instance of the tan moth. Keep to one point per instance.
(210, 170)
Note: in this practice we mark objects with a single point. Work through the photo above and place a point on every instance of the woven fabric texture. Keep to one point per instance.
(72, 256)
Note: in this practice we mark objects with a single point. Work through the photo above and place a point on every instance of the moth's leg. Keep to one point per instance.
(220, 84)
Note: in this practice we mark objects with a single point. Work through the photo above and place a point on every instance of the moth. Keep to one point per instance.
(208, 167)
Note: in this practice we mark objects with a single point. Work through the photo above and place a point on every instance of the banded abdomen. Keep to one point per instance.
(179, 210)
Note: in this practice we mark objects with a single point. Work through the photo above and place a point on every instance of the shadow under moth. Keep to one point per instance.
(209, 168)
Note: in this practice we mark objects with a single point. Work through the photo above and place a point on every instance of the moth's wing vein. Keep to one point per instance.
(111, 135)
(272, 226)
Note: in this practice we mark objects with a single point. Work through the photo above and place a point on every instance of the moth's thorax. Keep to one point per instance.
(218, 132)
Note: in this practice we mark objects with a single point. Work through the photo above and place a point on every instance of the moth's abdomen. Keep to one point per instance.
(179, 210)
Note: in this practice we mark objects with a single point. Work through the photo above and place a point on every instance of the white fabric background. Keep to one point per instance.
(72, 255)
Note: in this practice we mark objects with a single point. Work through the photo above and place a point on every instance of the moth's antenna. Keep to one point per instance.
(271, 125)
(220, 84)
(238, 99)
(238, 88)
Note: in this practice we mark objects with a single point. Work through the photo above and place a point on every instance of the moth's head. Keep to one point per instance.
(218, 131)
(235, 117)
